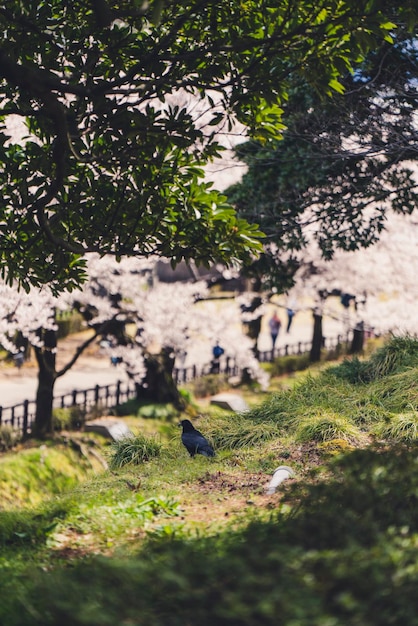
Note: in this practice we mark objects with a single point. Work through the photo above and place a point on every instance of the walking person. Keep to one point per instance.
(19, 358)
(290, 315)
(274, 325)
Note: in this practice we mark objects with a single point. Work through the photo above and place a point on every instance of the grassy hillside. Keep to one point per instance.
(163, 539)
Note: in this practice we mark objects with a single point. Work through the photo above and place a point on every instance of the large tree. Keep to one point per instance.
(122, 100)
(342, 165)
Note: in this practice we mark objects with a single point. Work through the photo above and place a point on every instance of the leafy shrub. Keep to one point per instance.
(139, 408)
(333, 354)
(209, 385)
(69, 322)
(130, 407)
(289, 364)
(9, 437)
(71, 418)
(133, 450)
(351, 369)
(95, 411)
(157, 411)
(186, 395)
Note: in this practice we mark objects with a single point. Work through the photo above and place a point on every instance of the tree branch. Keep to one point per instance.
(81, 348)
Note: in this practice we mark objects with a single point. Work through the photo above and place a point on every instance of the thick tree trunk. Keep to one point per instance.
(159, 385)
(317, 339)
(46, 359)
(358, 340)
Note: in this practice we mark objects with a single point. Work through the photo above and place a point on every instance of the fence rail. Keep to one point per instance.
(302, 347)
(226, 365)
(22, 416)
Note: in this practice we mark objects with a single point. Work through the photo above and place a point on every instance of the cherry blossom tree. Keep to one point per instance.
(153, 326)
(148, 327)
(32, 317)
(174, 324)
(381, 279)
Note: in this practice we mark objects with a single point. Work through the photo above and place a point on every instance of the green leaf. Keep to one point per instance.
(336, 85)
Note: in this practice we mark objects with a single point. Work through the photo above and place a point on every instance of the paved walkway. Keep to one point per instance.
(301, 328)
(94, 367)
(19, 385)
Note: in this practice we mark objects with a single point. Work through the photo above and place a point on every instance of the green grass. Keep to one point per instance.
(342, 549)
(29, 477)
(398, 354)
(402, 427)
(326, 427)
(240, 432)
(395, 356)
(133, 450)
(163, 539)
(396, 392)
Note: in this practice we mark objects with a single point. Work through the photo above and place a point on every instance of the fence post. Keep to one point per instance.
(96, 394)
(74, 397)
(25, 417)
(118, 393)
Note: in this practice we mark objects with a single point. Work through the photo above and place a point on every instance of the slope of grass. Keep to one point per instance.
(170, 540)
(35, 473)
(336, 558)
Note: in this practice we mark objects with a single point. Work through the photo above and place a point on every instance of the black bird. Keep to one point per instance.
(194, 441)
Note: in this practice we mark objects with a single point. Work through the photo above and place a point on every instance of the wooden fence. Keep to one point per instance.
(225, 365)
(303, 347)
(21, 416)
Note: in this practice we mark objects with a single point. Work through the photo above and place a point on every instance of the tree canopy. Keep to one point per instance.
(343, 162)
(122, 103)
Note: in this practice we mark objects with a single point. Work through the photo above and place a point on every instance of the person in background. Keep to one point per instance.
(290, 315)
(19, 358)
(274, 325)
(217, 352)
